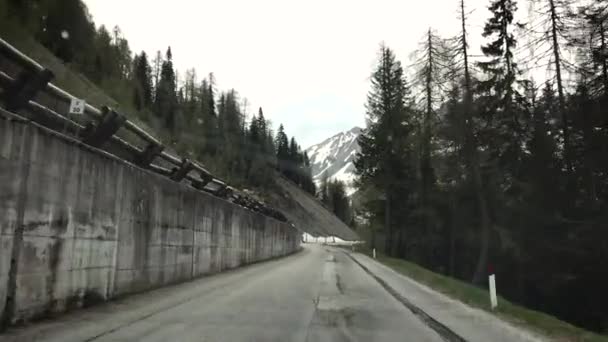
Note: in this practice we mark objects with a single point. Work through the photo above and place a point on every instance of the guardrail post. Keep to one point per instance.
(205, 179)
(181, 172)
(108, 125)
(222, 191)
(149, 153)
(25, 88)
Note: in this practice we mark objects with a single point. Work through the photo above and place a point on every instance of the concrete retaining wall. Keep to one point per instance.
(78, 226)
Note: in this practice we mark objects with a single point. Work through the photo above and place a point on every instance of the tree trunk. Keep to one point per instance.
(452, 255)
(604, 119)
(560, 93)
(426, 169)
(387, 225)
(482, 261)
(589, 165)
(396, 252)
(372, 237)
(604, 64)
(473, 162)
(402, 242)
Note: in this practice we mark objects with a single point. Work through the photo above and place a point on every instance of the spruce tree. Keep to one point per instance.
(431, 74)
(165, 104)
(501, 108)
(469, 137)
(384, 162)
(501, 78)
(323, 193)
(282, 146)
(143, 81)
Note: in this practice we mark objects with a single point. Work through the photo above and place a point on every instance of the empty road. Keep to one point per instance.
(318, 294)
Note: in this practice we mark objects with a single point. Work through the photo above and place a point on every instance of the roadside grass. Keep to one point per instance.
(542, 323)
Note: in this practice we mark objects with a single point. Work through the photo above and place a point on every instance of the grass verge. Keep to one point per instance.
(542, 323)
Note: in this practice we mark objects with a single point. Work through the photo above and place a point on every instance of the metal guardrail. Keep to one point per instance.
(18, 95)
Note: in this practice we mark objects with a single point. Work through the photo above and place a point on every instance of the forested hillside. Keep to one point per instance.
(189, 113)
(473, 167)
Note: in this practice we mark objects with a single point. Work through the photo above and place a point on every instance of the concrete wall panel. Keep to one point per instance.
(84, 227)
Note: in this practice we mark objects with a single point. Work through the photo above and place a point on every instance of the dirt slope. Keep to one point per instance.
(307, 213)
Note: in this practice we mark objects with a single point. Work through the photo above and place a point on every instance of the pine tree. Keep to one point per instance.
(430, 76)
(165, 101)
(385, 157)
(293, 162)
(254, 132)
(337, 200)
(156, 70)
(209, 122)
(323, 193)
(470, 142)
(556, 27)
(591, 98)
(143, 81)
(263, 131)
(591, 41)
(282, 146)
(501, 108)
(501, 104)
(255, 156)
(307, 181)
(211, 97)
(543, 169)
(122, 55)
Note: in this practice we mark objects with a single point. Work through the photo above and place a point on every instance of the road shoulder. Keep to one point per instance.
(472, 324)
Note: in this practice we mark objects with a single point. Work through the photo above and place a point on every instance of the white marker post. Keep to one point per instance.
(493, 299)
(77, 106)
(374, 253)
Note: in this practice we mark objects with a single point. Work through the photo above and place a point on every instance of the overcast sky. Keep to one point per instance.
(307, 63)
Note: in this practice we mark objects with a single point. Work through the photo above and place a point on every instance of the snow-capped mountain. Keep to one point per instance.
(335, 156)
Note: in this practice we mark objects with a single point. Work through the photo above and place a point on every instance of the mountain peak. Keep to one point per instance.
(335, 156)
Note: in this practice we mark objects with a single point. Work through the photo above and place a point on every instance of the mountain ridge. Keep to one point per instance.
(335, 156)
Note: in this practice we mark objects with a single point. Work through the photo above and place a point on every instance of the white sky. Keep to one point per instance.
(307, 63)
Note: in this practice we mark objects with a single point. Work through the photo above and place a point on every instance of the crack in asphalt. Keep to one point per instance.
(339, 284)
(444, 332)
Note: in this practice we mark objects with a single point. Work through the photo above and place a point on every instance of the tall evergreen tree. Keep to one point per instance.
(431, 74)
(501, 78)
(501, 106)
(263, 130)
(165, 101)
(385, 157)
(282, 146)
(338, 201)
(323, 193)
(469, 137)
(143, 81)
(157, 64)
(293, 164)
(557, 26)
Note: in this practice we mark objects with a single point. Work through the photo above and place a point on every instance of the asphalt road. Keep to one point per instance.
(318, 294)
